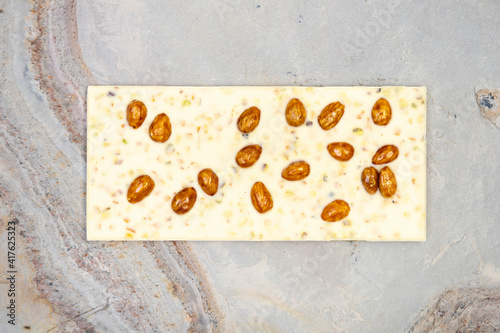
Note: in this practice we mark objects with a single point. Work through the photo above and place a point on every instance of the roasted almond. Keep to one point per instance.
(160, 128)
(331, 115)
(296, 171)
(385, 154)
(208, 180)
(335, 211)
(381, 112)
(249, 120)
(248, 155)
(184, 201)
(295, 113)
(261, 198)
(341, 151)
(369, 178)
(140, 188)
(136, 113)
(387, 182)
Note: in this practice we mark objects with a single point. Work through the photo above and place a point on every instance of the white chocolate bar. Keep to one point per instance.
(205, 135)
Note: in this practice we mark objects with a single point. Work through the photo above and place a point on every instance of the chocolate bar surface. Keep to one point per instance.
(204, 134)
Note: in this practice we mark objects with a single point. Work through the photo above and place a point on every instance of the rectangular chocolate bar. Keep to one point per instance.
(279, 163)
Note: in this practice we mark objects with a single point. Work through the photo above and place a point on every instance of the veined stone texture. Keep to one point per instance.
(51, 51)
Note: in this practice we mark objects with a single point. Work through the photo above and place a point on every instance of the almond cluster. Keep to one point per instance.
(160, 131)
(385, 180)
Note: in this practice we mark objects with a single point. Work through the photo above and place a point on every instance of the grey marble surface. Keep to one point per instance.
(50, 51)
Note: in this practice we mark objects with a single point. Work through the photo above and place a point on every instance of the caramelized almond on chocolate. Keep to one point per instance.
(247, 156)
(140, 188)
(209, 182)
(331, 115)
(385, 154)
(160, 129)
(184, 201)
(136, 113)
(249, 120)
(387, 182)
(341, 151)
(295, 113)
(369, 178)
(261, 198)
(296, 171)
(381, 112)
(335, 211)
